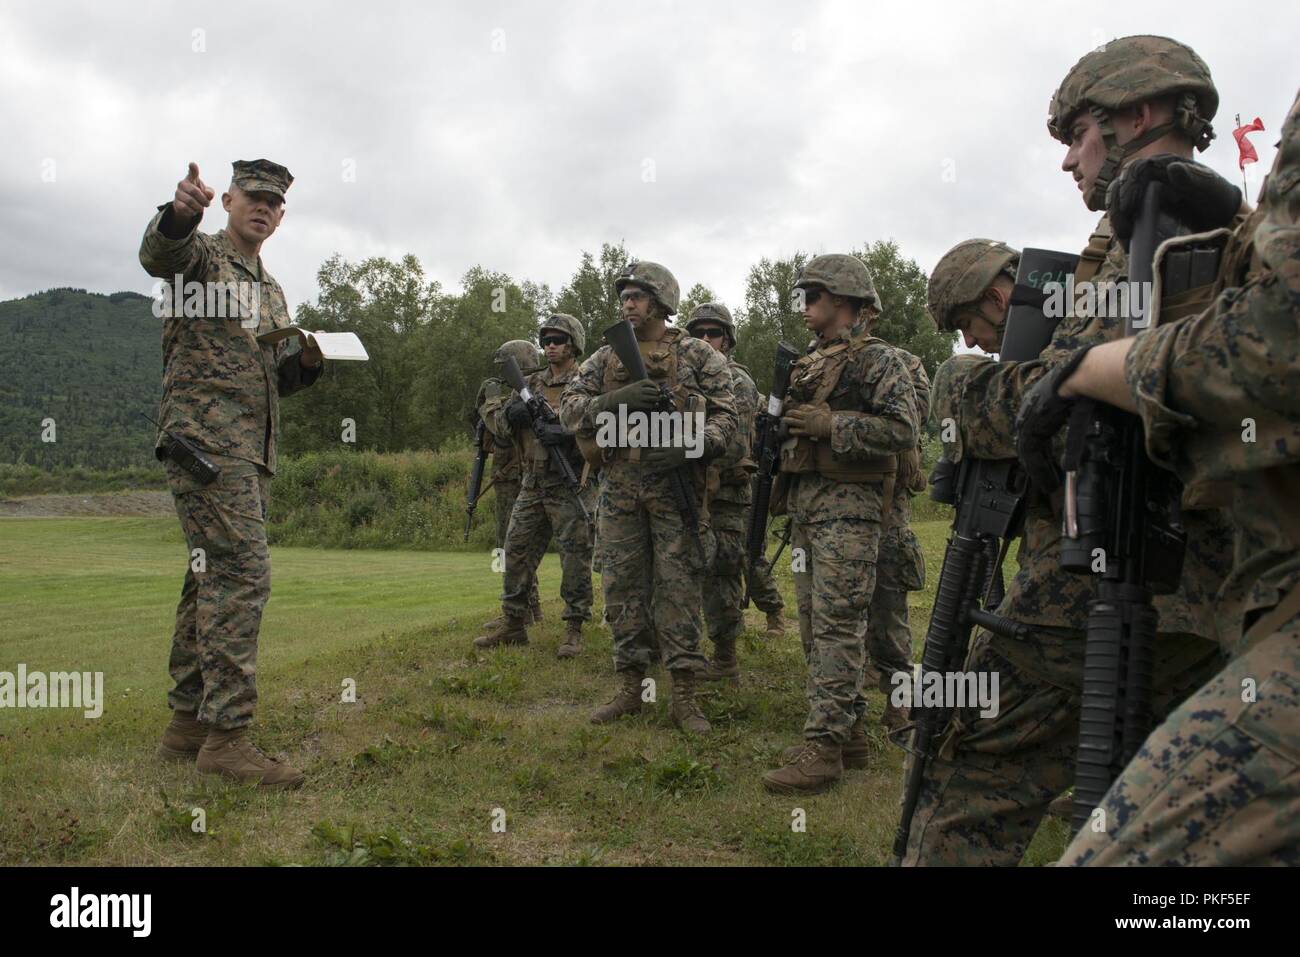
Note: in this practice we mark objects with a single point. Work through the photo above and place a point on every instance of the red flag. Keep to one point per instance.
(1248, 154)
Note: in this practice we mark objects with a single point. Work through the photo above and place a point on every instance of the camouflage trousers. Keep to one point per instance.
(761, 582)
(650, 570)
(835, 578)
(900, 569)
(1218, 783)
(888, 634)
(986, 793)
(227, 584)
(541, 510)
(726, 587)
(507, 492)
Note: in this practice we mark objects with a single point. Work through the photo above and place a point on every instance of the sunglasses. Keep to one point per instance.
(633, 295)
(711, 333)
(809, 295)
(554, 340)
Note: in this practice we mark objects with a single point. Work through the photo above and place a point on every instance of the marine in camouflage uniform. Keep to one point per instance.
(221, 392)
(900, 569)
(1218, 783)
(729, 507)
(650, 567)
(985, 795)
(546, 503)
(507, 472)
(850, 411)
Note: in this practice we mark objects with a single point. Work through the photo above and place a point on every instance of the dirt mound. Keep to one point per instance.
(133, 504)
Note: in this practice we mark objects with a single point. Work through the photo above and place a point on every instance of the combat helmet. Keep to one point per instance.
(961, 276)
(714, 312)
(654, 279)
(840, 275)
(1122, 74)
(571, 327)
(525, 354)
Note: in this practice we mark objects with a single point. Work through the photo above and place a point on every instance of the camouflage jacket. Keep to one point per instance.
(736, 468)
(492, 396)
(983, 397)
(1219, 395)
(700, 371)
(532, 456)
(900, 510)
(221, 388)
(873, 414)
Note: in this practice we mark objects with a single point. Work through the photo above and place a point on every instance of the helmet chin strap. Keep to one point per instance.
(1095, 199)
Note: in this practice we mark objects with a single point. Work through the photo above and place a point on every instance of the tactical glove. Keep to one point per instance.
(552, 433)
(813, 421)
(517, 414)
(1042, 414)
(1193, 194)
(664, 458)
(640, 396)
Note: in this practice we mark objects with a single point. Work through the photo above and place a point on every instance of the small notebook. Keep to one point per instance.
(332, 345)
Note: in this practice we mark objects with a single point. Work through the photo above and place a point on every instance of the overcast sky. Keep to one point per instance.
(513, 135)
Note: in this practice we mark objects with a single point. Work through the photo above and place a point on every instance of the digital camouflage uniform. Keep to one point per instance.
(985, 794)
(1219, 781)
(546, 505)
(221, 391)
(837, 521)
(507, 473)
(728, 510)
(901, 566)
(650, 571)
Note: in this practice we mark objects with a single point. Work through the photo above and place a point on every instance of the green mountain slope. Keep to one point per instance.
(89, 362)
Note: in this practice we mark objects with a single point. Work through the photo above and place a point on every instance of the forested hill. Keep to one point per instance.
(88, 361)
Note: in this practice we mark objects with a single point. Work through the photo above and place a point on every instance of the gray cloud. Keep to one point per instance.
(515, 135)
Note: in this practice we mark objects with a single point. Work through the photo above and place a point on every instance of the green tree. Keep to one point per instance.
(699, 293)
(769, 316)
(590, 297)
(903, 320)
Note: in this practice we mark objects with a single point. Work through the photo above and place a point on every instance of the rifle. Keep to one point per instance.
(622, 339)
(989, 496)
(1123, 508)
(475, 491)
(767, 453)
(542, 414)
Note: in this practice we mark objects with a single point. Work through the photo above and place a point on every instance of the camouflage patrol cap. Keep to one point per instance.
(525, 354)
(261, 176)
(654, 279)
(713, 312)
(1132, 70)
(961, 276)
(840, 275)
(571, 327)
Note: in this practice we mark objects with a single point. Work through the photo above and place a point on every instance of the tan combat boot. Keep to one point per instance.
(503, 631)
(894, 719)
(231, 754)
(626, 701)
(572, 640)
(183, 737)
(685, 709)
(775, 624)
(1062, 807)
(856, 752)
(815, 768)
(724, 666)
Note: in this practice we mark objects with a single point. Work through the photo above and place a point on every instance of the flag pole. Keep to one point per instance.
(1245, 190)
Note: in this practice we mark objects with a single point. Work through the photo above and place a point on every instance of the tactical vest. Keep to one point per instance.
(533, 453)
(812, 380)
(660, 360)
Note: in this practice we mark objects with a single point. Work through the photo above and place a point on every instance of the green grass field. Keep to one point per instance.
(439, 743)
